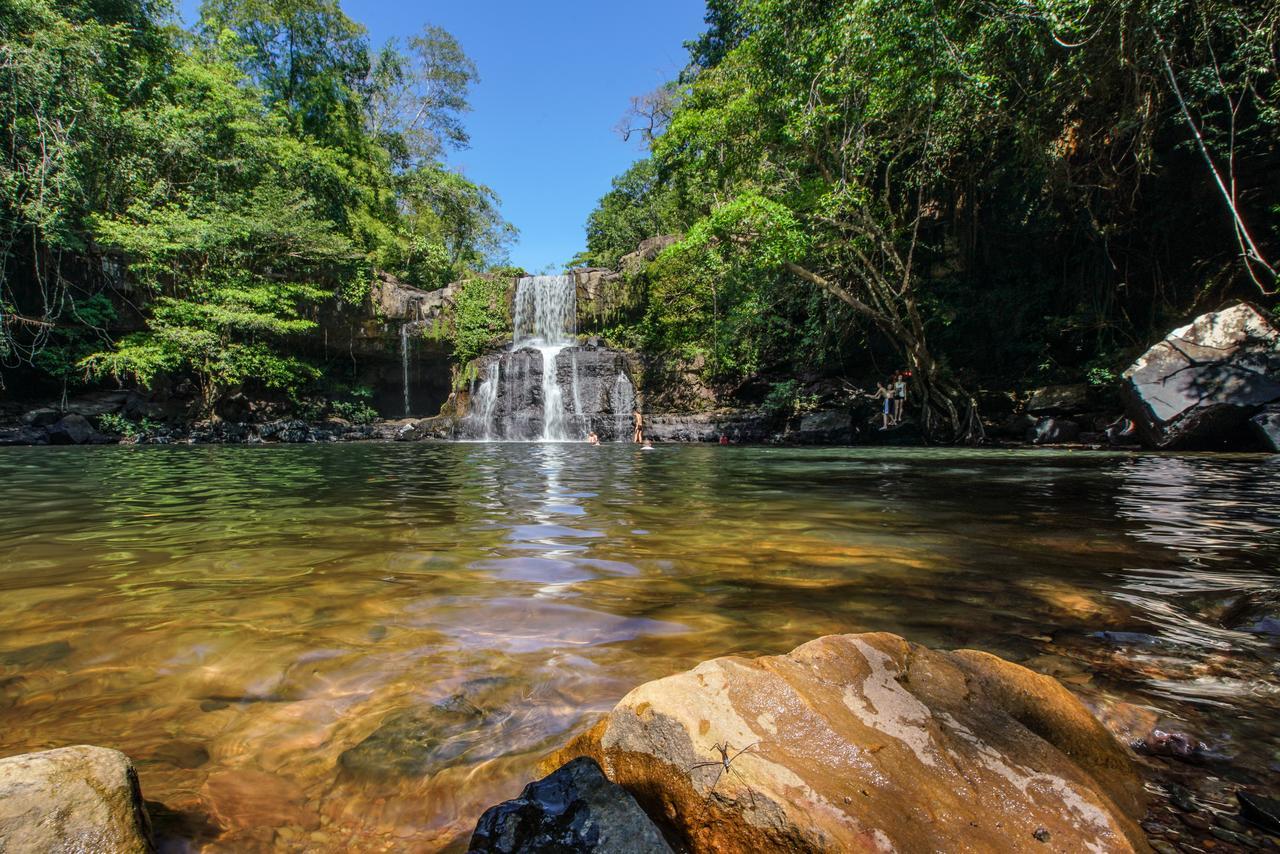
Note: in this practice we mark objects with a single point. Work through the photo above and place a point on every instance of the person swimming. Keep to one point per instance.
(592, 438)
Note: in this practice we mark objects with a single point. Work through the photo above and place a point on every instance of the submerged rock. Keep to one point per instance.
(415, 742)
(1199, 387)
(1053, 431)
(868, 742)
(573, 809)
(72, 799)
(1175, 745)
(1260, 810)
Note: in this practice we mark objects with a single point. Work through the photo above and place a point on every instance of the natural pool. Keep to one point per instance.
(363, 646)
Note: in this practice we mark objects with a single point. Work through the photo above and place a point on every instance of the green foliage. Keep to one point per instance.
(786, 399)
(358, 410)
(635, 208)
(113, 423)
(984, 187)
(231, 186)
(482, 318)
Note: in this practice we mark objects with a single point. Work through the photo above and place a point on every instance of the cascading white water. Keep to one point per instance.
(404, 364)
(484, 401)
(545, 319)
(622, 399)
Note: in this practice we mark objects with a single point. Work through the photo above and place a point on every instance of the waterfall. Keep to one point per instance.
(622, 400)
(404, 364)
(545, 319)
(484, 401)
(578, 414)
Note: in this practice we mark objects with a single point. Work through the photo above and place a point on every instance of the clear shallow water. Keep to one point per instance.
(363, 646)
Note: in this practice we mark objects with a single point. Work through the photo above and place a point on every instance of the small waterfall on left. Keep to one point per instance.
(404, 364)
(483, 403)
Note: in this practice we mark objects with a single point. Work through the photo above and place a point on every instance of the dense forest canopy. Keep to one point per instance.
(216, 186)
(990, 193)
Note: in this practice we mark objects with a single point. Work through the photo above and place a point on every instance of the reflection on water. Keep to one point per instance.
(327, 648)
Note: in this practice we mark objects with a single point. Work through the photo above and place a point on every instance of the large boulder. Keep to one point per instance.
(72, 429)
(1059, 400)
(870, 743)
(1199, 387)
(72, 799)
(573, 809)
(826, 427)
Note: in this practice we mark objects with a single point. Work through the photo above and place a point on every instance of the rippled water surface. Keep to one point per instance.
(361, 647)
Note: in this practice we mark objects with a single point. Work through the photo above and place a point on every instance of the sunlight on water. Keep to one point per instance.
(361, 647)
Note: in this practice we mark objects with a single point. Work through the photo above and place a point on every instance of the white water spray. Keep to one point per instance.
(622, 400)
(546, 319)
(484, 401)
(404, 364)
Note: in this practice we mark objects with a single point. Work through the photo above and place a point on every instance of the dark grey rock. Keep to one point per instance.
(1059, 400)
(586, 377)
(71, 429)
(23, 436)
(1053, 431)
(43, 417)
(829, 427)
(1260, 810)
(575, 809)
(1199, 387)
(741, 426)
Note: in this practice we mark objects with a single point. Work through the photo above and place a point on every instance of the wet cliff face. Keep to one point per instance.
(507, 399)
(391, 345)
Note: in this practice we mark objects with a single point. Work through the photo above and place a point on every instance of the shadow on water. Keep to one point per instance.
(321, 648)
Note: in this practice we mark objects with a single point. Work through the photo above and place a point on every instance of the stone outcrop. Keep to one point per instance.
(869, 743)
(824, 427)
(573, 809)
(72, 799)
(649, 249)
(395, 300)
(1060, 400)
(1199, 387)
(739, 425)
(587, 377)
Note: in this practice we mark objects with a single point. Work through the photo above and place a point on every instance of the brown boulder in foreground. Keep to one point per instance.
(870, 743)
(73, 799)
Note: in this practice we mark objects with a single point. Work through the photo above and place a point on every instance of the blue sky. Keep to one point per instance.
(555, 77)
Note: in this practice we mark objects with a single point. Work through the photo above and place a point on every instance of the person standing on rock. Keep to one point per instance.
(886, 409)
(638, 435)
(899, 395)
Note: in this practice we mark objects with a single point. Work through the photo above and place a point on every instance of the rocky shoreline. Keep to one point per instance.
(1211, 385)
(861, 742)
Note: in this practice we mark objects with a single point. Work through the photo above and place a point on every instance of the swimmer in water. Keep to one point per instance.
(593, 439)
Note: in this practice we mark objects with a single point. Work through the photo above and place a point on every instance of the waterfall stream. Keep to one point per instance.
(404, 364)
(546, 386)
(546, 319)
(622, 400)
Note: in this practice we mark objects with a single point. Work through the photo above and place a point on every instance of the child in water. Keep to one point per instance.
(593, 439)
